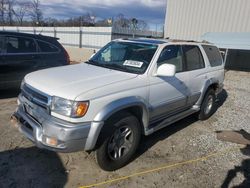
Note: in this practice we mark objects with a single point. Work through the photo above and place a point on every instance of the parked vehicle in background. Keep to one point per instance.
(22, 53)
(129, 88)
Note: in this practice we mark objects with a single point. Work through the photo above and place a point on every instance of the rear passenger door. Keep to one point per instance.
(20, 57)
(216, 63)
(195, 69)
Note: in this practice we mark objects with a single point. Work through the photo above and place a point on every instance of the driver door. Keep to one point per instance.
(168, 95)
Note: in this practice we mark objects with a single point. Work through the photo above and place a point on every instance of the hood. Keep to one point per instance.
(72, 80)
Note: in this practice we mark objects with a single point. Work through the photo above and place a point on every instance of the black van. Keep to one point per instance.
(22, 53)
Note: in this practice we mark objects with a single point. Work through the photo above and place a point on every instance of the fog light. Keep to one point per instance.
(51, 141)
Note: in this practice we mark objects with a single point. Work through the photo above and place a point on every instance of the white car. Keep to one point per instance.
(129, 88)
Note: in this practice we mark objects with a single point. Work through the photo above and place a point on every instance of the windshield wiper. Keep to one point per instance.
(114, 66)
(123, 68)
(92, 62)
(111, 66)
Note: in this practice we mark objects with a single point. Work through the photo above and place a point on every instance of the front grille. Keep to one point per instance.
(35, 96)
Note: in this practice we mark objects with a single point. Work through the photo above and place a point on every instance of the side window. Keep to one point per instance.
(20, 45)
(106, 55)
(1, 44)
(213, 55)
(171, 55)
(47, 47)
(193, 57)
(12, 45)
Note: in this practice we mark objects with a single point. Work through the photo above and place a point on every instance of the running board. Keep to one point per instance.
(171, 120)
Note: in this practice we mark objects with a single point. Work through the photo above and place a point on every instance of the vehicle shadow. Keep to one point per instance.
(148, 141)
(31, 167)
(244, 168)
(9, 93)
(221, 98)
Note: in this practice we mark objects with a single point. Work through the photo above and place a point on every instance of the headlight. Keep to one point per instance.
(69, 108)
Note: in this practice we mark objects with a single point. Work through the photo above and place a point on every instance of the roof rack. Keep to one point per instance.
(181, 40)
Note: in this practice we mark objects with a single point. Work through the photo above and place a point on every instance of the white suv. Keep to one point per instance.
(129, 88)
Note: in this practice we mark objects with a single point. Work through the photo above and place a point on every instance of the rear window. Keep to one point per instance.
(20, 45)
(213, 55)
(193, 57)
(47, 47)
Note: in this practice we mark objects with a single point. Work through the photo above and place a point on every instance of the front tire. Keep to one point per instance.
(208, 105)
(120, 142)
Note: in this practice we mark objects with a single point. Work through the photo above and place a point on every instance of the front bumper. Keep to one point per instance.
(54, 134)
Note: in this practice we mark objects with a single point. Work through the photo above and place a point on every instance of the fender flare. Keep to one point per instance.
(121, 104)
(110, 109)
(207, 84)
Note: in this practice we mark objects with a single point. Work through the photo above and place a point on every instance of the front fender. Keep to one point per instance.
(121, 104)
(111, 109)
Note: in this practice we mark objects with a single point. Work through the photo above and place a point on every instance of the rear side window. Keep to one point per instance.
(20, 45)
(213, 55)
(193, 57)
(47, 47)
(171, 55)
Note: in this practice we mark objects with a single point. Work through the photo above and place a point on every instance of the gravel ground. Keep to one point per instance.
(23, 165)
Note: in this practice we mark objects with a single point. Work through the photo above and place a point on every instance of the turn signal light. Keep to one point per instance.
(81, 109)
(51, 141)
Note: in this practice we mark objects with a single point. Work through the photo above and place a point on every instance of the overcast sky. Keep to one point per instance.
(152, 11)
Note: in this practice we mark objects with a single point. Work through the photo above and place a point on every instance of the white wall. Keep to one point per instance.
(78, 55)
(190, 19)
(92, 37)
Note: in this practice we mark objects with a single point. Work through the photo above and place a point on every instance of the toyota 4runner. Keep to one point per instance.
(129, 88)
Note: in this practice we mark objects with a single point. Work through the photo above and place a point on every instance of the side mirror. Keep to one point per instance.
(166, 70)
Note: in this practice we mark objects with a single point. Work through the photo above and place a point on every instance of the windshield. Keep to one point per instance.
(124, 56)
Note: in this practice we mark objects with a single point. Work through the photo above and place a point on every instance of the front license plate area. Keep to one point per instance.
(31, 110)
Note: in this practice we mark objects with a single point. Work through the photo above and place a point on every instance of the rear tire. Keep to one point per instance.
(119, 142)
(208, 105)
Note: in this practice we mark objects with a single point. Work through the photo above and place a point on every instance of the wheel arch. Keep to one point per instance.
(211, 83)
(134, 105)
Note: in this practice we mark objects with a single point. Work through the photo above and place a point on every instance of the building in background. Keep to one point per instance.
(225, 23)
(190, 19)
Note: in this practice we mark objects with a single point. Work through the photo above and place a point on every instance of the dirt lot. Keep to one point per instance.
(23, 165)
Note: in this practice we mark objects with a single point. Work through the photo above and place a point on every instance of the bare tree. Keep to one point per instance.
(35, 12)
(2, 11)
(20, 11)
(120, 21)
(142, 25)
(10, 11)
